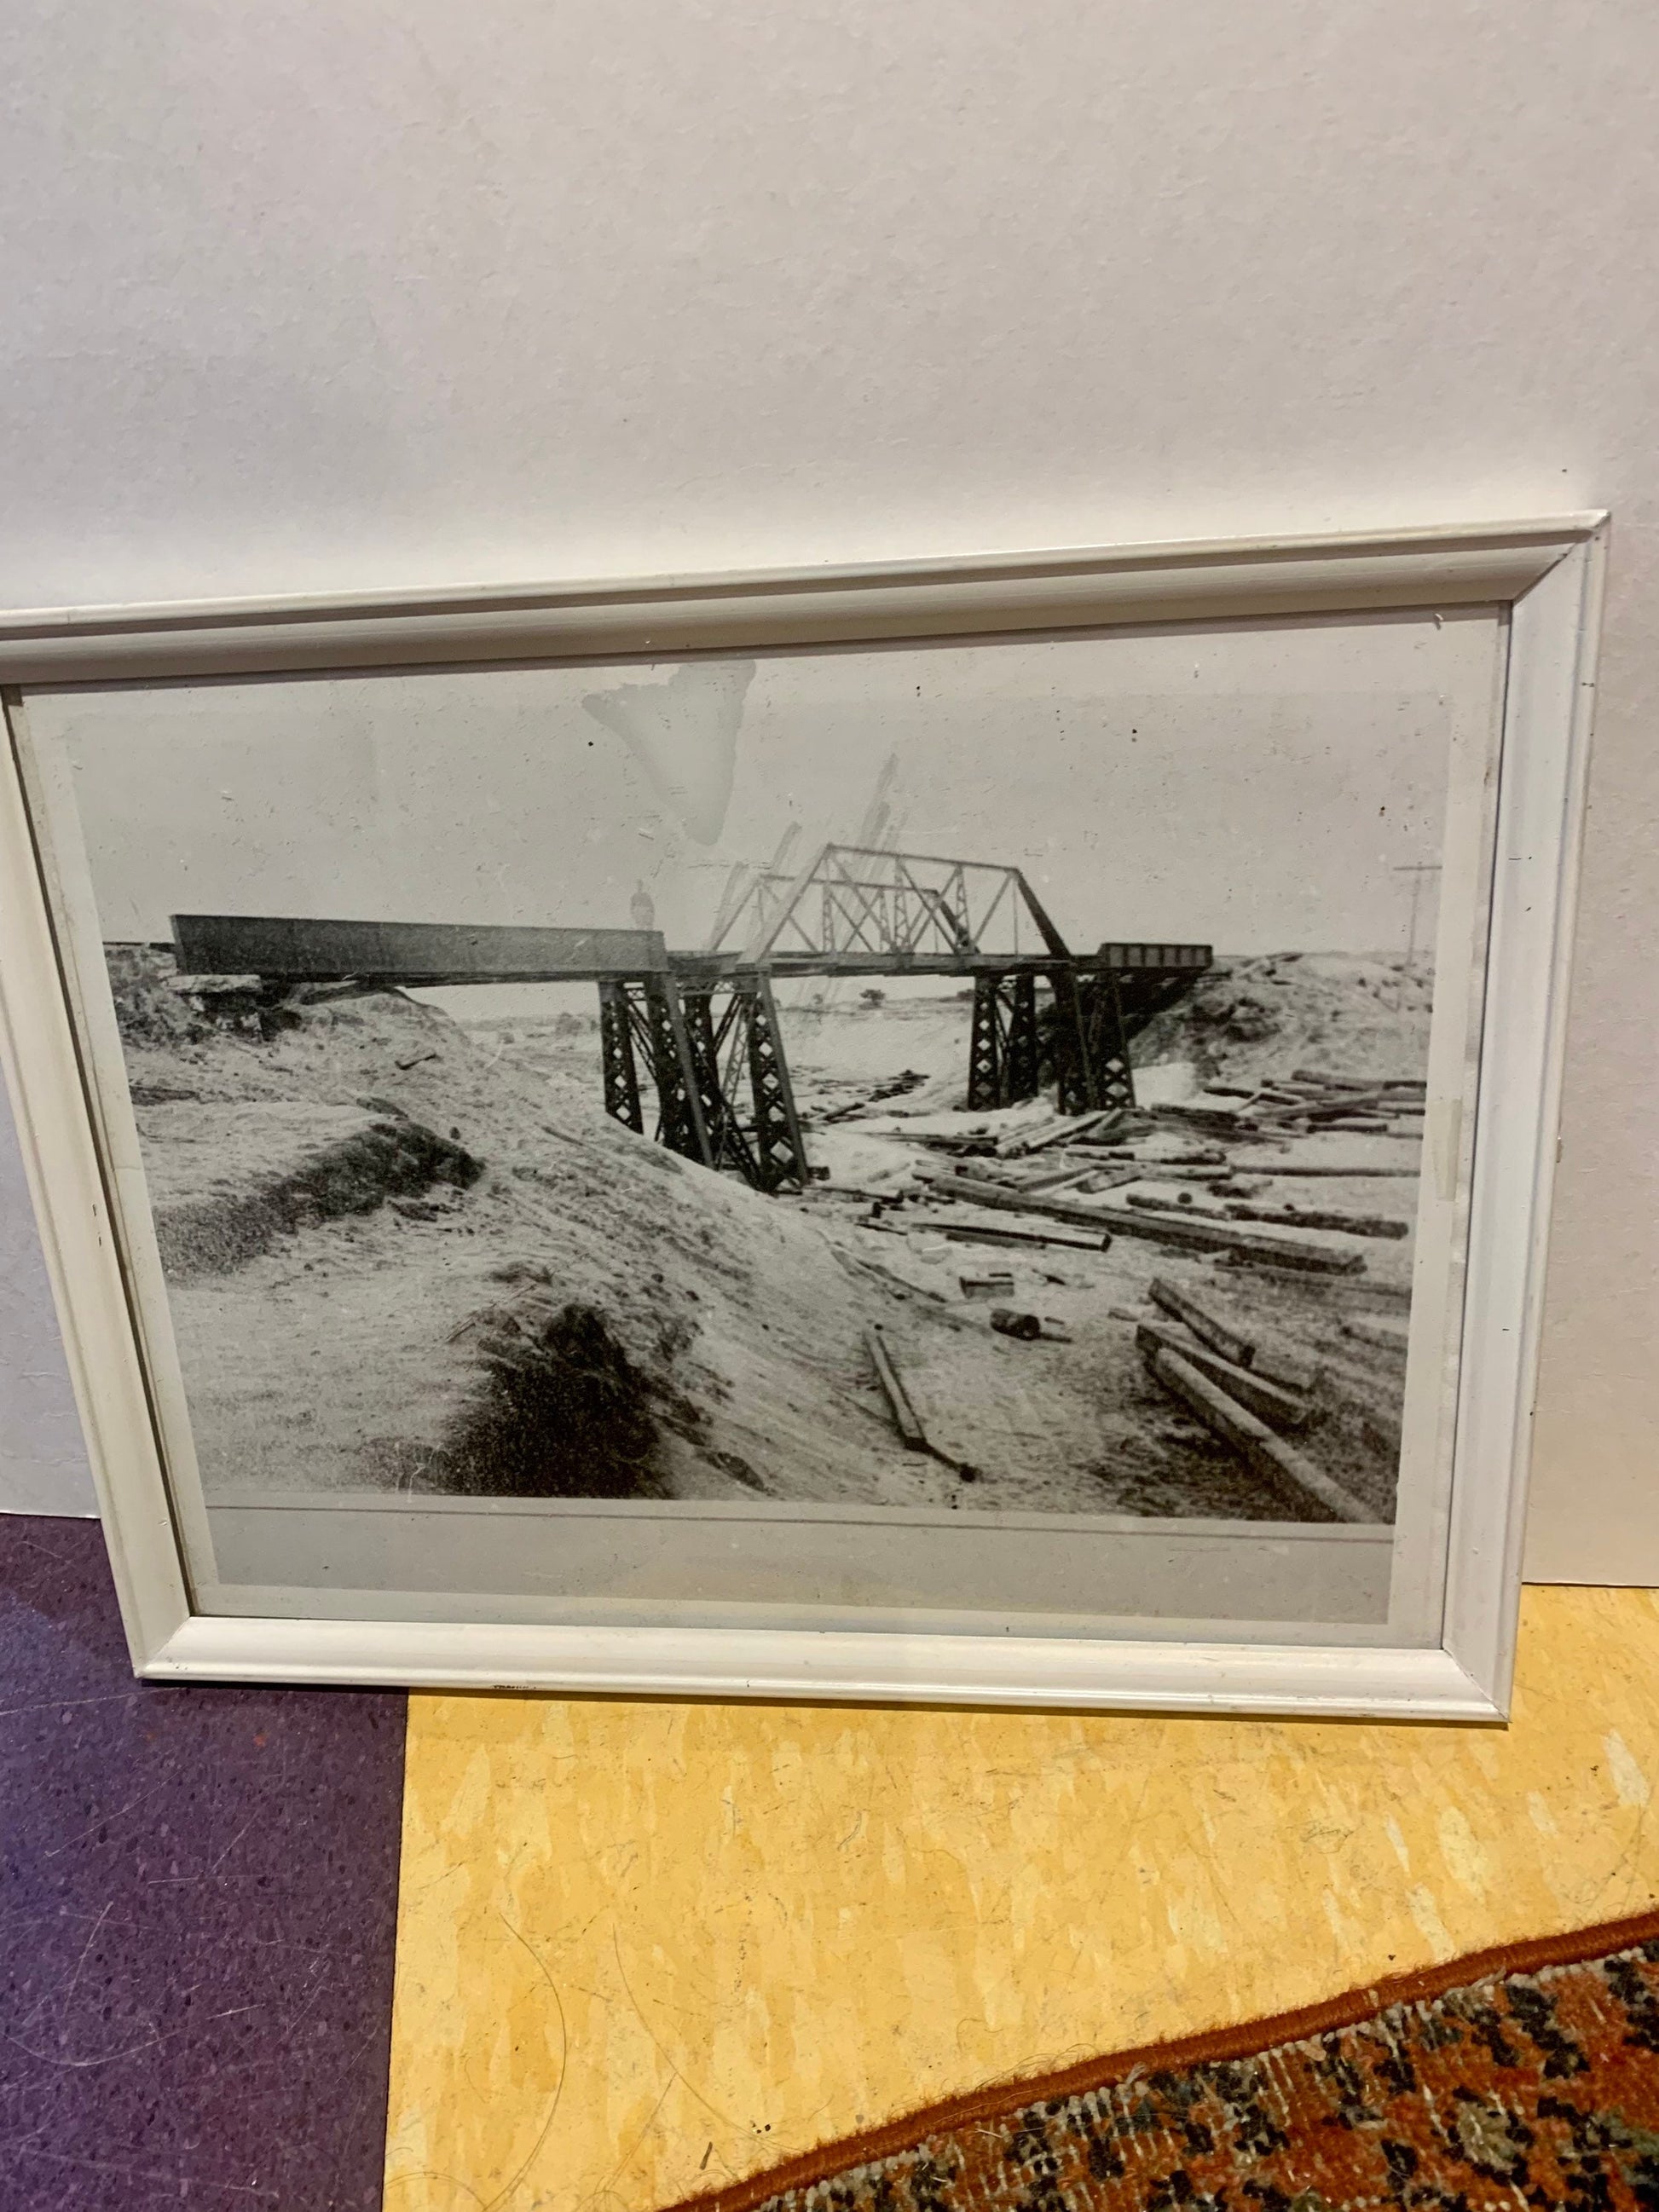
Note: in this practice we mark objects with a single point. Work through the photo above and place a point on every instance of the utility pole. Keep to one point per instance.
(1416, 870)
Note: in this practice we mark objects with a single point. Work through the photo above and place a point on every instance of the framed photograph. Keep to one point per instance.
(974, 1130)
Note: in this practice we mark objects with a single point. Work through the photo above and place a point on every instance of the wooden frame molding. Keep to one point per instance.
(1541, 577)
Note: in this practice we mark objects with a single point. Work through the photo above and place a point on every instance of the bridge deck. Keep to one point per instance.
(1121, 959)
(427, 954)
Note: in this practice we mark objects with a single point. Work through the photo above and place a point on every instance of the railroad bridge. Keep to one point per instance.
(698, 1033)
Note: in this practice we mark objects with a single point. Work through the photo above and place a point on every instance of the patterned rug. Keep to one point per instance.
(1523, 2077)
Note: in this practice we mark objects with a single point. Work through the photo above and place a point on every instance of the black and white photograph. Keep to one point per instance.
(980, 1078)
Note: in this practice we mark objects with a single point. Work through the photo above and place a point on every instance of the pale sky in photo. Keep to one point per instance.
(1255, 788)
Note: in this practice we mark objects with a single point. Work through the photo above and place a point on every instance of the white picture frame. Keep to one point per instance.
(1544, 579)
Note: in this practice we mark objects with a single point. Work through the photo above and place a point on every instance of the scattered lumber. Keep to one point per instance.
(981, 1172)
(1219, 1121)
(1070, 1131)
(1298, 1168)
(1213, 1329)
(972, 1192)
(1290, 1472)
(1268, 1401)
(1381, 1329)
(1168, 1228)
(1329, 1286)
(1179, 1229)
(1208, 1326)
(996, 1283)
(1207, 1156)
(906, 1419)
(986, 1233)
(1151, 1202)
(1307, 1217)
(909, 1080)
(1317, 1115)
(863, 1264)
(1162, 1171)
(1073, 1171)
(1318, 1076)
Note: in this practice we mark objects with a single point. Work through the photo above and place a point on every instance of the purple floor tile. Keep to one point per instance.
(198, 1905)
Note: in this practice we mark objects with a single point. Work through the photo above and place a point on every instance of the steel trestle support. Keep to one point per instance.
(714, 1055)
(1002, 1053)
(1089, 1045)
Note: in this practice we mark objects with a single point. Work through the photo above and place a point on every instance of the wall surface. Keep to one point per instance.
(309, 297)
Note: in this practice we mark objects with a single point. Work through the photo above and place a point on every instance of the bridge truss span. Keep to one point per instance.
(698, 1033)
(852, 902)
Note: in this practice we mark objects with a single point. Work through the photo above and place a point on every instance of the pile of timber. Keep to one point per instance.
(982, 1142)
(1342, 1219)
(1175, 1226)
(1244, 1393)
(908, 1079)
(1307, 1100)
(1312, 1100)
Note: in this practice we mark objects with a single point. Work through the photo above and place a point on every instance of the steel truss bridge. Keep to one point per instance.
(690, 1041)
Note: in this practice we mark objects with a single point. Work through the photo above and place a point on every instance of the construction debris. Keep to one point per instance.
(1029, 1326)
(1201, 1179)
(975, 1193)
(1344, 1289)
(1301, 1217)
(1291, 1473)
(1281, 1217)
(1180, 1230)
(908, 1080)
(1268, 1401)
(1389, 1335)
(986, 1233)
(906, 1419)
(1211, 1328)
(1073, 1129)
(1407, 1085)
(1347, 1169)
(1208, 1326)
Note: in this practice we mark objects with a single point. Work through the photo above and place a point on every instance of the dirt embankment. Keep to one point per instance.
(400, 1258)
(1265, 1015)
(227, 1182)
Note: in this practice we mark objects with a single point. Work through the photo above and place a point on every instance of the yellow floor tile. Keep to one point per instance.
(643, 1948)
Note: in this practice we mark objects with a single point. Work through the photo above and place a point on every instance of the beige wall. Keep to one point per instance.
(314, 297)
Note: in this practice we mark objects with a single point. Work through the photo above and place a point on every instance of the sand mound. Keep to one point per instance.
(227, 1180)
(562, 1412)
(730, 1324)
(1343, 1013)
